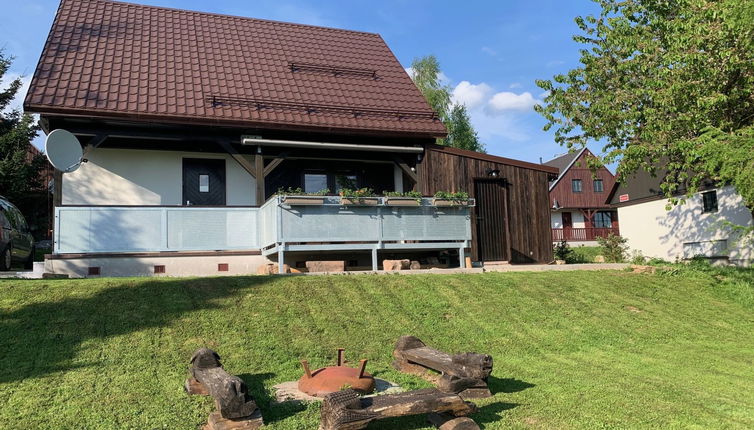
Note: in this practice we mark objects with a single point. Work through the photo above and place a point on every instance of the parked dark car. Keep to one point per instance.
(16, 242)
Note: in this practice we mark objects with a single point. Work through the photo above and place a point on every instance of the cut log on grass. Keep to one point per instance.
(229, 391)
(445, 421)
(217, 422)
(465, 374)
(344, 410)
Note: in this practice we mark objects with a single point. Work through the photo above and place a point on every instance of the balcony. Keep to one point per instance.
(571, 234)
(326, 224)
(282, 224)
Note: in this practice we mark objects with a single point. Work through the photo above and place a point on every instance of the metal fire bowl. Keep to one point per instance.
(335, 378)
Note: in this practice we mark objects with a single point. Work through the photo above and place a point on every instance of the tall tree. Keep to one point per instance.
(425, 72)
(461, 134)
(18, 175)
(667, 82)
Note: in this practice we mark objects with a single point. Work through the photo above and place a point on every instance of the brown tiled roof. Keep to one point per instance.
(111, 59)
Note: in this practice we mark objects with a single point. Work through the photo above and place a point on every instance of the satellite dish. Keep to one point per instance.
(63, 150)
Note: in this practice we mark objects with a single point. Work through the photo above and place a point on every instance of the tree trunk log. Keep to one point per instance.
(217, 422)
(344, 410)
(229, 391)
(466, 372)
(446, 421)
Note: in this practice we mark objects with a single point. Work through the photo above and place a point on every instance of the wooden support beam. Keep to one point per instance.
(250, 169)
(406, 169)
(98, 140)
(274, 163)
(259, 168)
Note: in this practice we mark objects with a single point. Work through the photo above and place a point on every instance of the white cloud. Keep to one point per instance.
(471, 95)
(515, 85)
(508, 101)
(490, 51)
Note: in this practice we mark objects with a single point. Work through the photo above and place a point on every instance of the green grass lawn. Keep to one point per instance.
(571, 349)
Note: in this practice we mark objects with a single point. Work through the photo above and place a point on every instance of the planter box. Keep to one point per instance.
(304, 201)
(401, 201)
(363, 201)
(446, 202)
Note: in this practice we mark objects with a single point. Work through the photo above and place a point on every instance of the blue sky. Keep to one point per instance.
(490, 51)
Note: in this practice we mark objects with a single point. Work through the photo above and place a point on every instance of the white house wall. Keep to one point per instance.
(685, 230)
(556, 220)
(577, 219)
(146, 177)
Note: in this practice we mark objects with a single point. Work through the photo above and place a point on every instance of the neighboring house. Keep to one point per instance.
(45, 173)
(698, 227)
(192, 121)
(577, 199)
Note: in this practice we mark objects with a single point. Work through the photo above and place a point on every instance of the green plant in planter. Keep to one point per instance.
(357, 195)
(458, 198)
(412, 194)
(290, 191)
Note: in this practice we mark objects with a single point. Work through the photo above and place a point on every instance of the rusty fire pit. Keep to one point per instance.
(330, 379)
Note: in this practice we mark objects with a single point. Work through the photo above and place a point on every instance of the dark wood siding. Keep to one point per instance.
(527, 191)
(587, 198)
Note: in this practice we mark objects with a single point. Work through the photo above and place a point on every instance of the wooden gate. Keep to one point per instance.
(491, 212)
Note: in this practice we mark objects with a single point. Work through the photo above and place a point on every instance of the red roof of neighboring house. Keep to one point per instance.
(111, 59)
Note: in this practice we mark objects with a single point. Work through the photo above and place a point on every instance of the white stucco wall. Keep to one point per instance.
(146, 177)
(685, 230)
(556, 220)
(577, 219)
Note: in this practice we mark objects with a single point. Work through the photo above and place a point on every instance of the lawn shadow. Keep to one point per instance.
(507, 385)
(45, 337)
(491, 413)
(271, 411)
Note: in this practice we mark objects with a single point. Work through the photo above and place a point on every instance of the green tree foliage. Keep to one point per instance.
(426, 76)
(18, 177)
(461, 134)
(664, 83)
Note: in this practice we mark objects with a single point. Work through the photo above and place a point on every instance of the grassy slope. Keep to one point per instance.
(570, 349)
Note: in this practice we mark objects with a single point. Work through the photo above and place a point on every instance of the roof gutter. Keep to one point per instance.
(253, 141)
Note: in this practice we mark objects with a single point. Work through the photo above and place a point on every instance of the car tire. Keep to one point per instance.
(29, 263)
(5, 259)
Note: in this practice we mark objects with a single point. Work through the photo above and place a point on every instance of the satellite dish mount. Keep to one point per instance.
(63, 151)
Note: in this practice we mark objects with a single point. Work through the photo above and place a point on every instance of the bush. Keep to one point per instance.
(614, 248)
(562, 251)
(638, 258)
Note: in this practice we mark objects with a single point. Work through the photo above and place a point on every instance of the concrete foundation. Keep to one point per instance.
(204, 265)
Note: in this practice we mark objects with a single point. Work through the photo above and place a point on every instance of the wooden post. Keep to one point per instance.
(259, 169)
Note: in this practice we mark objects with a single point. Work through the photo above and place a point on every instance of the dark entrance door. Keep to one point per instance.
(203, 182)
(491, 220)
(567, 222)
